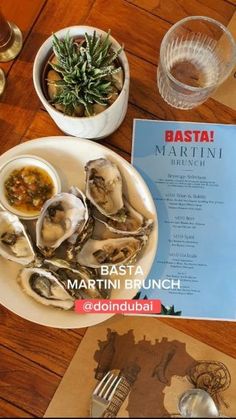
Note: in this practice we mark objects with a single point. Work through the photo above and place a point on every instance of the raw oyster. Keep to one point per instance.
(66, 271)
(60, 218)
(45, 287)
(104, 188)
(111, 251)
(135, 223)
(15, 244)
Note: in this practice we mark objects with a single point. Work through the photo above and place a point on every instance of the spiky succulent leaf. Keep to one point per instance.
(86, 70)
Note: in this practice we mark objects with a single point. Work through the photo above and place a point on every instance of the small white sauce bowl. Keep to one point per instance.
(18, 163)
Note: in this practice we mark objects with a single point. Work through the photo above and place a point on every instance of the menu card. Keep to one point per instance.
(190, 169)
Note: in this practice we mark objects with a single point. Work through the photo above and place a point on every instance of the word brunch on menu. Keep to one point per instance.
(189, 154)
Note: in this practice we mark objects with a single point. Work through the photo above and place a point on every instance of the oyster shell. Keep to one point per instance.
(66, 271)
(15, 244)
(104, 188)
(111, 251)
(61, 217)
(80, 236)
(45, 287)
(135, 223)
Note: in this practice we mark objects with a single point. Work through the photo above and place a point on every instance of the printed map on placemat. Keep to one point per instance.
(158, 363)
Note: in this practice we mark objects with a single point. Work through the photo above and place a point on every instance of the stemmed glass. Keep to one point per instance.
(10, 45)
(10, 39)
(2, 81)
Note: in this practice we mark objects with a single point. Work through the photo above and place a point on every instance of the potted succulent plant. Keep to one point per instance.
(81, 75)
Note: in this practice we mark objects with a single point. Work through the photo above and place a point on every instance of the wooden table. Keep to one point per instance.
(34, 358)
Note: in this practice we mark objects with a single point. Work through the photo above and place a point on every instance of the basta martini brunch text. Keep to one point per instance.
(127, 283)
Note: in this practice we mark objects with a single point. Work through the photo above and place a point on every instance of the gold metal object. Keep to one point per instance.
(13, 46)
(2, 81)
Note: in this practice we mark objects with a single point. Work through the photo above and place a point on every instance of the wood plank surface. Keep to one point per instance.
(122, 17)
(174, 10)
(33, 358)
(48, 347)
(143, 40)
(25, 384)
(23, 13)
(8, 410)
(233, 2)
(43, 126)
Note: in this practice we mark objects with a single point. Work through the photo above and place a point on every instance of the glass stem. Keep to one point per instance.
(5, 33)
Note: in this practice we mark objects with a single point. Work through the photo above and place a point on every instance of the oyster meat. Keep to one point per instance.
(45, 287)
(104, 188)
(134, 223)
(111, 251)
(66, 272)
(15, 244)
(62, 216)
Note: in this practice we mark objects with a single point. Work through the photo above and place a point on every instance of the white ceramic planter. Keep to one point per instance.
(93, 127)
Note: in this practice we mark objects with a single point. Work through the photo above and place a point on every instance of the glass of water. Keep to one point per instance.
(197, 54)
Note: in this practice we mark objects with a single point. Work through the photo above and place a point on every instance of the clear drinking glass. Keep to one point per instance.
(197, 54)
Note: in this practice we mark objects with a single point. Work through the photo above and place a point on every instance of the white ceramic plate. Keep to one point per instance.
(68, 155)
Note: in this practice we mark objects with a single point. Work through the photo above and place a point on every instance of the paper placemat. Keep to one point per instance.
(158, 362)
(226, 93)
